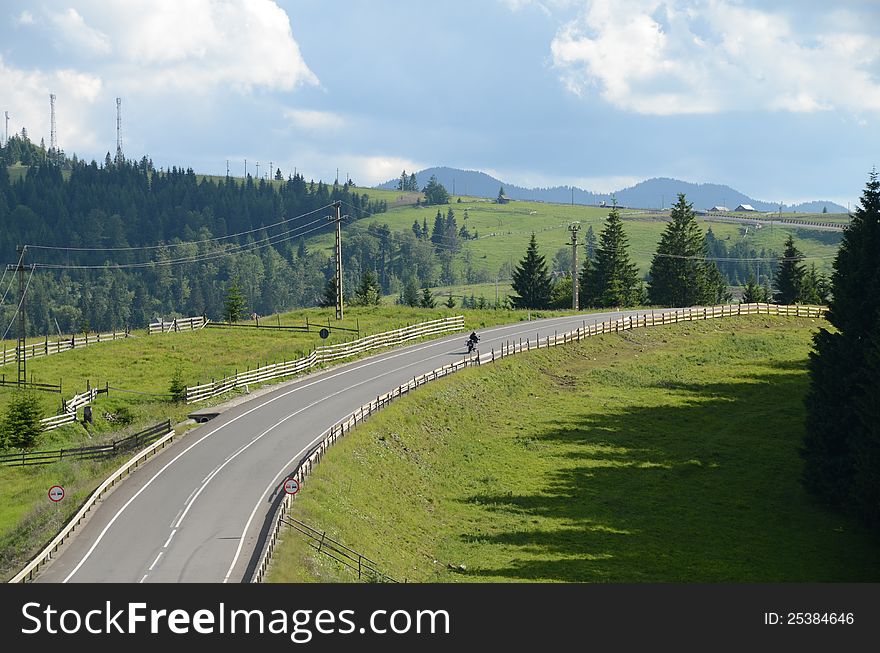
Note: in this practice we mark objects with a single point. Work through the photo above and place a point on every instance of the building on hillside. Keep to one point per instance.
(719, 209)
(503, 199)
(746, 208)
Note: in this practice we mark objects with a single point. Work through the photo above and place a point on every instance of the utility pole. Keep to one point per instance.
(21, 353)
(574, 227)
(7, 128)
(338, 220)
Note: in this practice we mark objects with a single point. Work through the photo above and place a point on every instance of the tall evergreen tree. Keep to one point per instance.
(790, 275)
(20, 427)
(531, 281)
(435, 192)
(234, 304)
(611, 279)
(368, 292)
(680, 274)
(590, 243)
(328, 297)
(754, 293)
(842, 445)
(427, 300)
(409, 294)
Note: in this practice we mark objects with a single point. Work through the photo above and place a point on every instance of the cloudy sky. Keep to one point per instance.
(780, 100)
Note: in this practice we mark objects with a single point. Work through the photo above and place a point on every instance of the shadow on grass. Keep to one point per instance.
(703, 489)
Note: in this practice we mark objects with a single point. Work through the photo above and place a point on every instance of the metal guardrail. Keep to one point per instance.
(646, 319)
(45, 556)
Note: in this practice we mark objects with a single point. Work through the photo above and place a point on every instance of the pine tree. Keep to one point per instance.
(790, 275)
(590, 243)
(413, 185)
(328, 298)
(450, 303)
(842, 445)
(611, 279)
(177, 388)
(531, 280)
(427, 300)
(679, 272)
(435, 192)
(409, 294)
(20, 427)
(754, 293)
(234, 304)
(368, 292)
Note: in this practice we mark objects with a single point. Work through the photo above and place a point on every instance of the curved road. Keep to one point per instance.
(194, 512)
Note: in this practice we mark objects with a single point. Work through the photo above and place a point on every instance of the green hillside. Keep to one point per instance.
(667, 454)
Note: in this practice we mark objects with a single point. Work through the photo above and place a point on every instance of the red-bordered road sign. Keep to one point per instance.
(291, 485)
(56, 493)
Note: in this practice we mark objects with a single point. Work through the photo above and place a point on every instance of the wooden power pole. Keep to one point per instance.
(574, 227)
(21, 352)
(338, 220)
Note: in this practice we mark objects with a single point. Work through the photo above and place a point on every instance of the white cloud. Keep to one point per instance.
(70, 27)
(206, 44)
(364, 170)
(311, 119)
(27, 95)
(24, 18)
(706, 56)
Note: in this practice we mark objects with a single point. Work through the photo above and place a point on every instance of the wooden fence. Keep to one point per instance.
(70, 406)
(114, 448)
(49, 347)
(641, 320)
(320, 355)
(179, 324)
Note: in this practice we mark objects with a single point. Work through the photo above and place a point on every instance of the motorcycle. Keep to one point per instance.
(471, 345)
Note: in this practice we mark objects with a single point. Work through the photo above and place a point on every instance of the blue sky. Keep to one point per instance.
(780, 100)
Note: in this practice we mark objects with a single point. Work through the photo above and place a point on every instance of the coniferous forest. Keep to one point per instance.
(96, 232)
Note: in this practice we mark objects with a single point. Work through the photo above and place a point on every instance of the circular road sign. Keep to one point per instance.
(291, 486)
(56, 493)
(324, 333)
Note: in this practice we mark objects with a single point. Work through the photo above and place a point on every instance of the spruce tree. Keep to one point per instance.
(368, 292)
(234, 304)
(427, 300)
(20, 427)
(409, 294)
(790, 275)
(328, 299)
(680, 273)
(842, 445)
(754, 293)
(531, 280)
(611, 279)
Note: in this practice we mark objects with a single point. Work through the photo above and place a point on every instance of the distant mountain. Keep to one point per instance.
(654, 193)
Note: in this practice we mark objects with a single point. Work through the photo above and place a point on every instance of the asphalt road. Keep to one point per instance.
(194, 512)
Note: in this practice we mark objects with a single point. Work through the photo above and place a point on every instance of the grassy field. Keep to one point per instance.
(504, 231)
(659, 455)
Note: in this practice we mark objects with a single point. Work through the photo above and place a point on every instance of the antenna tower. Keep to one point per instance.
(53, 134)
(7, 128)
(119, 156)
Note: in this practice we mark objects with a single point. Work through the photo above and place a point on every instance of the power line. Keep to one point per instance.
(207, 256)
(190, 242)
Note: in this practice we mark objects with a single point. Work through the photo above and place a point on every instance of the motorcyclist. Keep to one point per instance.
(474, 337)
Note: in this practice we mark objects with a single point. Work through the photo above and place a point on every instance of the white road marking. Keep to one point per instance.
(155, 561)
(379, 359)
(144, 578)
(168, 541)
